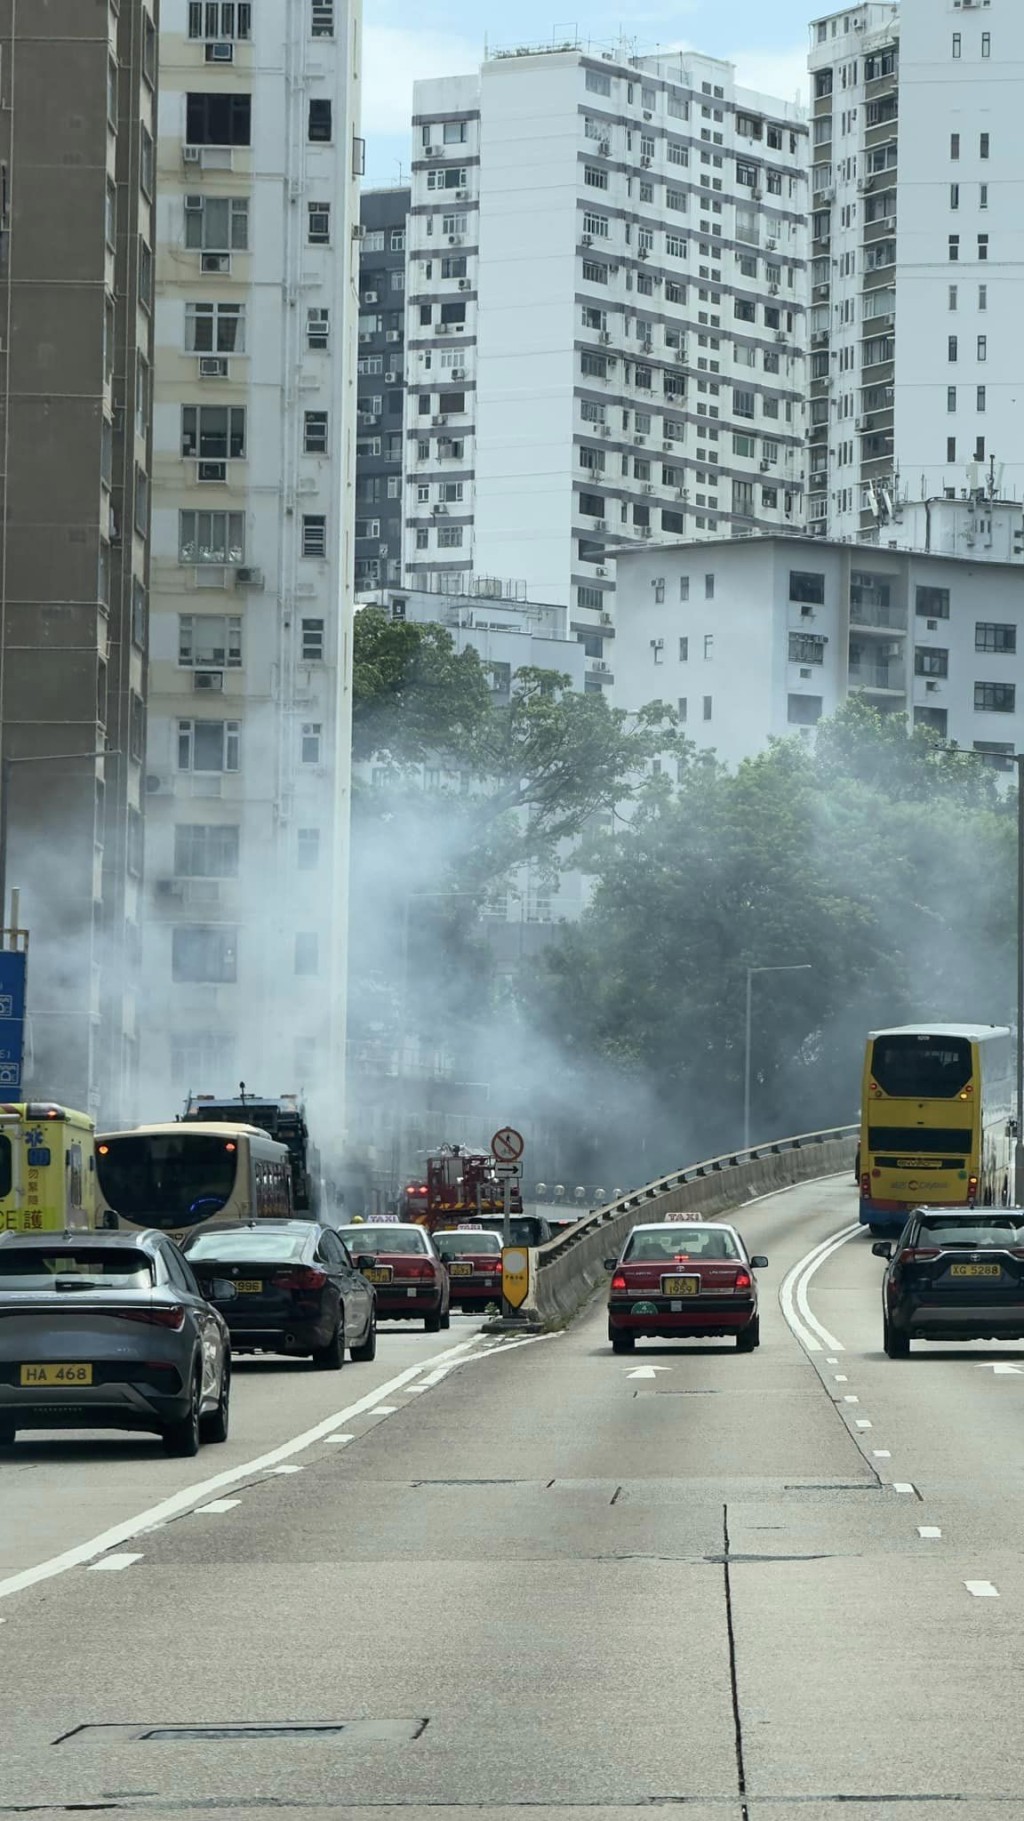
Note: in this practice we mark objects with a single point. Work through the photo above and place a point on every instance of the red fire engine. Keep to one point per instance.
(460, 1183)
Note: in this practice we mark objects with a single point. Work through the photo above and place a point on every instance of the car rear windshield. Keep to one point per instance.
(457, 1245)
(987, 1230)
(384, 1239)
(47, 1268)
(912, 1067)
(246, 1243)
(680, 1242)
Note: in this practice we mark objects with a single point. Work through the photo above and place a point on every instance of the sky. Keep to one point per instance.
(403, 40)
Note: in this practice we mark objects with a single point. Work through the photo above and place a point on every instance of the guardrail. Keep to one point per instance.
(564, 1272)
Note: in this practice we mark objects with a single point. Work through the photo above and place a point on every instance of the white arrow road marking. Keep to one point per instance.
(647, 1371)
(1000, 1371)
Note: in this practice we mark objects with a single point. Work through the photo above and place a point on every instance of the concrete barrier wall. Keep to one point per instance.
(564, 1273)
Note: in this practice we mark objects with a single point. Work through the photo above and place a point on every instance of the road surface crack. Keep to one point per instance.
(737, 1720)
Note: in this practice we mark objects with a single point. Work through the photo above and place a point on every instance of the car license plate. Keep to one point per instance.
(975, 1271)
(680, 1286)
(462, 1270)
(249, 1286)
(380, 1275)
(56, 1375)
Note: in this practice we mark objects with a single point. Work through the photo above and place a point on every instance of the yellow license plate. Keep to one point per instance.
(461, 1270)
(680, 1286)
(56, 1375)
(249, 1286)
(975, 1271)
(381, 1276)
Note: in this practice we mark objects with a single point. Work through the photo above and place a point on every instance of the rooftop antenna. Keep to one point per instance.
(241, 1092)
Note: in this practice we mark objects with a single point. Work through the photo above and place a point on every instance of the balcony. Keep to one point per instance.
(876, 616)
(874, 679)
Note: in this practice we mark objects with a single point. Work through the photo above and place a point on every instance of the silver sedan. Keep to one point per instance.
(109, 1331)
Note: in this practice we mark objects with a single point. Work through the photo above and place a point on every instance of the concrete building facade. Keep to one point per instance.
(248, 765)
(380, 441)
(77, 189)
(761, 637)
(606, 317)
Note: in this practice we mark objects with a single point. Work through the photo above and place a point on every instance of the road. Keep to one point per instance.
(534, 1585)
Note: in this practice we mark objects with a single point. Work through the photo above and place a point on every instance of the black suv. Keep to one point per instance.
(954, 1274)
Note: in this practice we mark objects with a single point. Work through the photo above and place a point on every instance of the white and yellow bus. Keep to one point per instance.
(178, 1177)
(935, 1120)
(47, 1168)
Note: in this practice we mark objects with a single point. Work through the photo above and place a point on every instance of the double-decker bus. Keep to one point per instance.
(935, 1120)
(179, 1177)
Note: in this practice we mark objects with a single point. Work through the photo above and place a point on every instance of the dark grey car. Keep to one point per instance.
(290, 1287)
(954, 1274)
(109, 1331)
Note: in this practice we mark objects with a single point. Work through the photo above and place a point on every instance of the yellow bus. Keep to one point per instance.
(47, 1168)
(935, 1120)
(178, 1177)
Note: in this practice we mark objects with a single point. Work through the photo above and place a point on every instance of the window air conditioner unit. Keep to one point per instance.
(438, 422)
(211, 680)
(805, 673)
(645, 530)
(780, 334)
(193, 204)
(455, 240)
(215, 263)
(600, 570)
(646, 163)
(382, 549)
(606, 429)
(248, 578)
(434, 151)
(648, 488)
(862, 424)
(807, 613)
(600, 524)
(458, 372)
(774, 289)
(932, 625)
(391, 379)
(605, 337)
(393, 335)
(765, 467)
(211, 471)
(668, 443)
(220, 53)
(213, 366)
(587, 240)
(462, 195)
(371, 296)
(604, 145)
(191, 154)
(639, 439)
(443, 328)
(932, 687)
(647, 114)
(464, 284)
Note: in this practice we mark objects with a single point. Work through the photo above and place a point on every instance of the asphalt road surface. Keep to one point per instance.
(540, 1582)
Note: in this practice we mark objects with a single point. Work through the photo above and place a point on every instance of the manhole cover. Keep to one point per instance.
(363, 1732)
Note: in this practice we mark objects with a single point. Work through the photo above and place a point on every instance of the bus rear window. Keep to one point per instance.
(921, 1068)
(165, 1180)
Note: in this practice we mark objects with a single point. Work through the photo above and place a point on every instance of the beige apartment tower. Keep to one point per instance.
(77, 175)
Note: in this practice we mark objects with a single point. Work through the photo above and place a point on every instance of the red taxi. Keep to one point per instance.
(473, 1257)
(683, 1278)
(409, 1277)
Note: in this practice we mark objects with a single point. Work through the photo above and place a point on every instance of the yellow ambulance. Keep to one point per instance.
(47, 1168)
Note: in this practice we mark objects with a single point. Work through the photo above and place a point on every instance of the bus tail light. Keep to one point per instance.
(865, 1185)
(972, 1190)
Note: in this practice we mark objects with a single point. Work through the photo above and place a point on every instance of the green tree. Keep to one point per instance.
(414, 696)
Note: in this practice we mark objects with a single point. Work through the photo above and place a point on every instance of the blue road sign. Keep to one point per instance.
(12, 1016)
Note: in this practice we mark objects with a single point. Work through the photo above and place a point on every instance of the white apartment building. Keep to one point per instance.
(250, 650)
(760, 637)
(606, 325)
(917, 258)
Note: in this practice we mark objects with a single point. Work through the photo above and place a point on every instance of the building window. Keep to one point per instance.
(204, 953)
(986, 44)
(707, 708)
(213, 432)
(208, 745)
(681, 708)
(951, 448)
(935, 719)
(145, 275)
(957, 43)
(209, 641)
(211, 537)
(807, 587)
(999, 753)
(139, 616)
(684, 587)
(223, 20)
(989, 636)
(322, 21)
(318, 328)
(804, 711)
(995, 698)
(307, 849)
(318, 231)
(312, 742)
(658, 650)
(954, 195)
(319, 129)
(111, 214)
(217, 224)
(954, 247)
(950, 398)
(931, 661)
(806, 648)
(982, 347)
(709, 587)
(314, 433)
(218, 119)
(984, 145)
(952, 347)
(954, 146)
(206, 850)
(314, 534)
(742, 402)
(312, 641)
(932, 603)
(449, 537)
(214, 328)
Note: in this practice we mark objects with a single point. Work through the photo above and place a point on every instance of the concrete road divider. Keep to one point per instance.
(565, 1272)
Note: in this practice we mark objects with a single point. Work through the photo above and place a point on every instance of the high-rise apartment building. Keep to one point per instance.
(248, 759)
(606, 317)
(380, 442)
(77, 186)
(917, 259)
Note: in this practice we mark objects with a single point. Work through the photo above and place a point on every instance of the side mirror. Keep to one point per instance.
(759, 1261)
(882, 1248)
(220, 1290)
(365, 1262)
(610, 1264)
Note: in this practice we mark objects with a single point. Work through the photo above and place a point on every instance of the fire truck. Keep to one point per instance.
(459, 1184)
(283, 1118)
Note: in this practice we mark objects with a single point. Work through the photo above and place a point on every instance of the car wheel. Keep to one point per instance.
(214, 1428)
(750, 1337)
(7, 1434)
(368, 1349)
(446, 1319)
(332, 1357)
(432, 1323)
(895, 1342)
(621, 1343)
(184, 1438)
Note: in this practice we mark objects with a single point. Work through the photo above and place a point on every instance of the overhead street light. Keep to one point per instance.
(30, 758)
(798, 967)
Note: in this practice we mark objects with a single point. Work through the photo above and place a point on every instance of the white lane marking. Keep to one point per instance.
(831, 1362)
(903, 1486)
(851, 1400)
(809, 1331)
(218, 1505)
(349, 1438)
(411, 1388)
(928, 1530)
(841, 1378)
(385, 1410)
(288, 1469)
(982, 1590)
(863, 1423)
(190, 1496)
(115, 1561)
(999, 1370)
(882, 1454)
(647, 1371)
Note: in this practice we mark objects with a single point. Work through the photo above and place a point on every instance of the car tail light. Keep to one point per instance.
(742, 1280)
(303, 1278)
(618, 1281)
(912, 1255)
(416, 1267)
(160, 1316)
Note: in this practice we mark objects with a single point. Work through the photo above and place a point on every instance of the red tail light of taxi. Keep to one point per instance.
(304, 1277)
(415, 1267)
(618, 1281)
(743, 1280)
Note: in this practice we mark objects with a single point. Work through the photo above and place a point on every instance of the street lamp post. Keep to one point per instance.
(799, 967)
(28, 758)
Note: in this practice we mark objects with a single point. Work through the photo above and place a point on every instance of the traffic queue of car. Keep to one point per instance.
(128, 1330)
